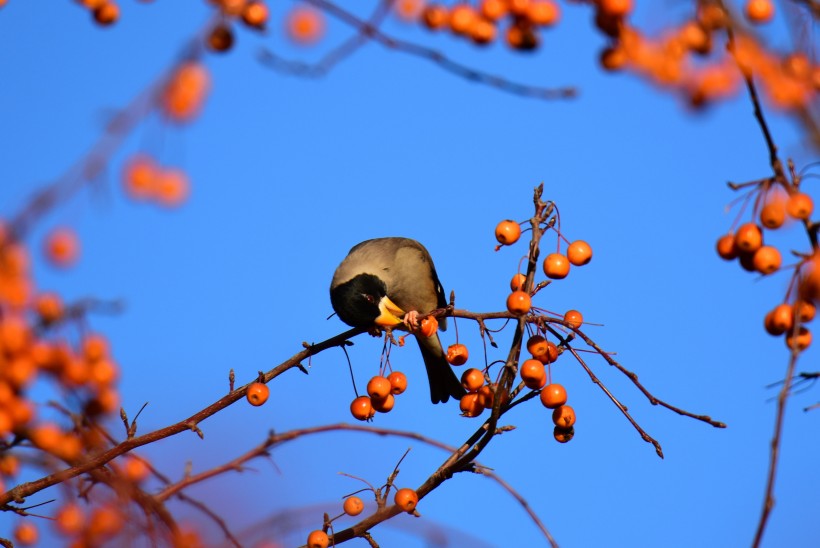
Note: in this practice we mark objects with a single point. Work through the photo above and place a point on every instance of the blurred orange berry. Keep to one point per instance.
(62, 247)
(800, 206)
(172, 187)
(106, 14)
(185, 92)
(759, 11)
(49, 306)
(70, 519)
(543, 12)
(26, 533)
(255, 14)
(726, 247)
(305, 25)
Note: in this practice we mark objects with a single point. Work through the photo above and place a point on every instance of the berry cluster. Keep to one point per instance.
(775, 205)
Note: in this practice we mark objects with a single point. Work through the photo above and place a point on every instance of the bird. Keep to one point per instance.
(389, 283)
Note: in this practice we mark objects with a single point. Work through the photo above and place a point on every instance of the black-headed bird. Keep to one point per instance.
(389, 283)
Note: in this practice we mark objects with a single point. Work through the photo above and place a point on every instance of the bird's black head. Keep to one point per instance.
(357, 300)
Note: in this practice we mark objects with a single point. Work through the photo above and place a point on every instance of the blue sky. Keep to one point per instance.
(288, 173)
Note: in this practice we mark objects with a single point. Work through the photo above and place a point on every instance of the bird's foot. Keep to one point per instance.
(411, 320)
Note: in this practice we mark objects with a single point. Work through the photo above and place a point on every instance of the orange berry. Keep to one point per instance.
(613, 58)
(486, 395)
(15, 335)
(406, 499)
(105, 521)
(9, 465)
(378, 388)
(171, 187)
(759, 11)
(135, 469)
(615, 8)
(805, 310)
(543, 12)
(563, 435)
(809, 286)
(103, 372)
(518, 7)
(255, 14)
(767, 260)
(519, 303)
(47, 436)
(429, 326)
(384, 405)
(231, 7)
(482, 31)
(435, 16)
(362, 408)
(748, 238)
(257, 393)
(408, 10)
(220, 38)
(472, 379)
(801, 340)
(318, 539)
(553, 395)
(95, 347)
(493, 10)
(779, 320)
(517, 282)
(106, 14)
(507, 232)
(353, 506)
(563, 416)
(49, 306)
(470, 406)
(536, 345)
(398, 382)
(579, 253)
(726, 247)
(185, 91)
(62, 247)
(773, 214)
(522, 36)
(305, 25)
(573, 318)
(556, 266)
(457, 354)
(26, 533)
(533, 374)
(20, 371)
(462, 17)
(138, 176)
(799, 206)
(70, 519)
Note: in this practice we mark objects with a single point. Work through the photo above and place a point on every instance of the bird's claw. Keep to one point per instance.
(411, 320)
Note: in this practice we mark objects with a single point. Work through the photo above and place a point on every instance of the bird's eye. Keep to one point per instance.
(369, 298)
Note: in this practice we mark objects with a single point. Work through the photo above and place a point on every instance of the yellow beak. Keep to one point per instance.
(390, 313)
